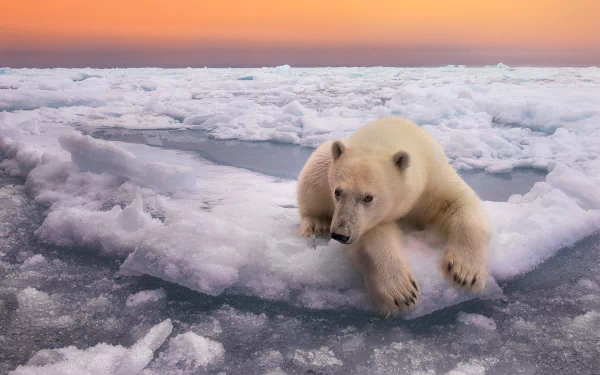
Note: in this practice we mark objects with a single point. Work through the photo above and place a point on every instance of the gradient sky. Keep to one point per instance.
(238, 33)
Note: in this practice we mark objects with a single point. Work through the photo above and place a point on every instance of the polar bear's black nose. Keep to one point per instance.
(339, 237)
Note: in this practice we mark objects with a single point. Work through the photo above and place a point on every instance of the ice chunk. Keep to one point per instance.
(246, 78)
(476, 320)
(98, 303)
(241, 321)
(18, 158)
(142, 352)
(198, 119)
(82, 76)
(34, 262)
(295, 108)
(103, 157)
(97, 360)
(500, 168)
(276, 371)
(39, 98)
(187, 353)
(46, 357)
(408, 357)
(468, 368)
(577, 185)
(530, 228)
(499, 65)
(270, 358)
(283, 70)
(117, 231)
(524, 327)
(41, 309)
(465, 94)
(585, 324)
(178, 259)
(588, 284)
(209, 328)
(145, 296)
(149, 85)
(320, 358)
(102, 359)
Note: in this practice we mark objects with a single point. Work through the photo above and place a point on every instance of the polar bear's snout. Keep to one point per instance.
(340, 237)
(344, 224)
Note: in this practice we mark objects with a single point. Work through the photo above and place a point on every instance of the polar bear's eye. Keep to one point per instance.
(337, 192)
(368, 198)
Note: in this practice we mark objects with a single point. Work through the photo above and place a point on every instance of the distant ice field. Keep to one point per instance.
(189, 175)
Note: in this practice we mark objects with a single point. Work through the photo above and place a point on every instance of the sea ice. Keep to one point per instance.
(218, 229)
(102, 359)
(187, 353)
(145, 296)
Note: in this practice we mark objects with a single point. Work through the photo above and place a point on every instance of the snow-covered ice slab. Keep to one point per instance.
(218, 229)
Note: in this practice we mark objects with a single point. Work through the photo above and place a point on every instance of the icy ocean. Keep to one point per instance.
(148, 222)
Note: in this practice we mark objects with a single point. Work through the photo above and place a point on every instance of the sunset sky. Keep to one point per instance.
(236, 33)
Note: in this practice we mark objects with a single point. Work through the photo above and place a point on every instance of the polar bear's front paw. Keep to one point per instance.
(315, 226)
(393, 293)
(464, 270)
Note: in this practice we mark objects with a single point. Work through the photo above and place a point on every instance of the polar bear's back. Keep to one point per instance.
(393, 134)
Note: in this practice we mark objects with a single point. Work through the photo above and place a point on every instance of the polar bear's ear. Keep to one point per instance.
(402, 160)
(337, 149)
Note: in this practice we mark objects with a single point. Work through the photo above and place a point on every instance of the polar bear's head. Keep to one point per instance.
(367, 189)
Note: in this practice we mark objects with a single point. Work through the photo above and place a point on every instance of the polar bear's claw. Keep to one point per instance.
(394, 295)
(465, 270)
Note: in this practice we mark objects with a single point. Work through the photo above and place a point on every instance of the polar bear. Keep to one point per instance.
(391, 172)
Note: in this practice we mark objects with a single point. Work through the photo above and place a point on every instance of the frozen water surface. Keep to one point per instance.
(166, 244)
(275, 159)
(286, 161)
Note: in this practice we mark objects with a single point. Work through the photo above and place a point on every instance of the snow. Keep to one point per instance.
(230, 232)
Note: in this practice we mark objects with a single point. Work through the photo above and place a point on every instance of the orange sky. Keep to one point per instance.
(542, 25)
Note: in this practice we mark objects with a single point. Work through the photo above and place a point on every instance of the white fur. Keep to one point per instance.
(421, 189)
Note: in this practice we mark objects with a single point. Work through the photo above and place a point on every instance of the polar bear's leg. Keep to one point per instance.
(312, 225)
(315, 202)
(465, 256)
(389, 281)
